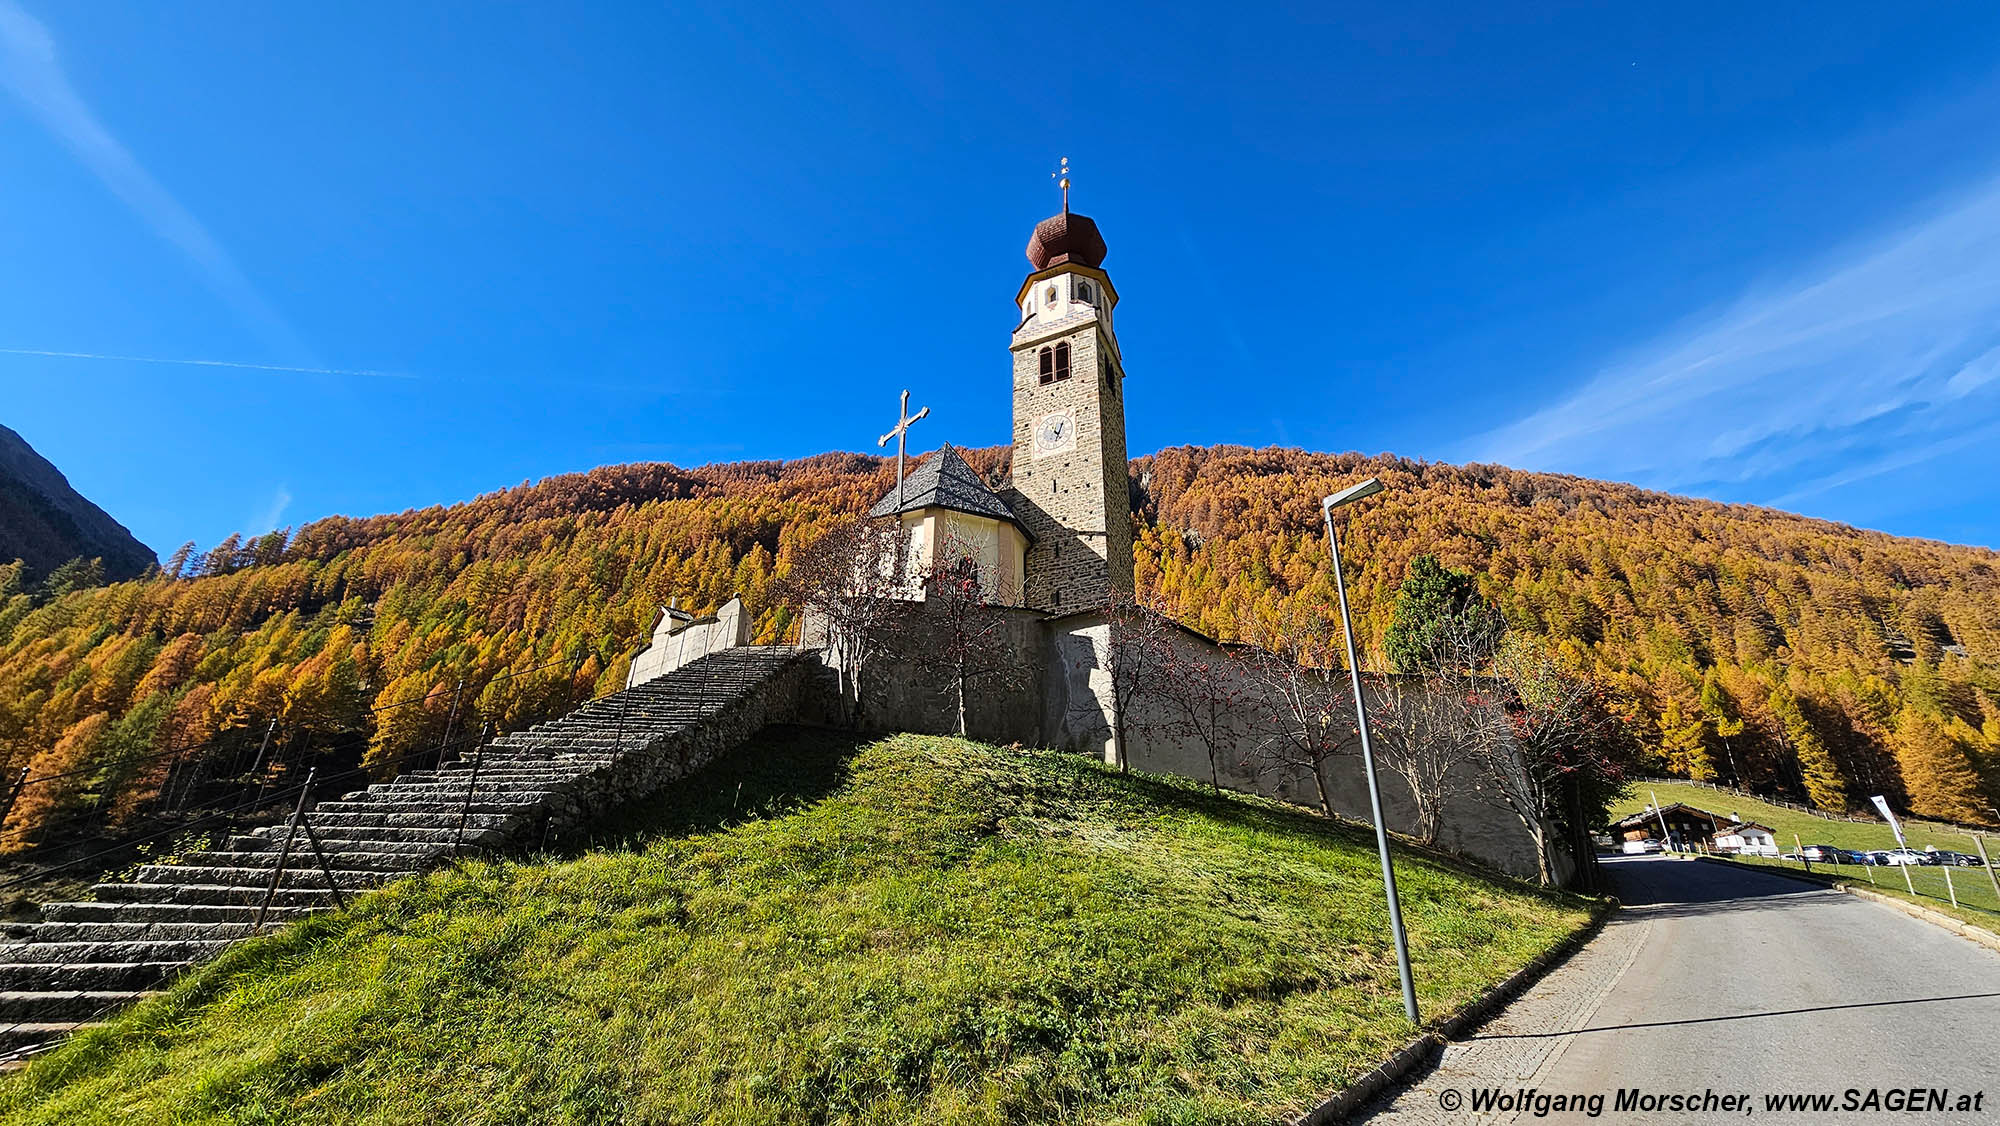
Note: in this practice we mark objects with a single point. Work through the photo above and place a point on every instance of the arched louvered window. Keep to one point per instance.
(1062, 360)
(1048, 366)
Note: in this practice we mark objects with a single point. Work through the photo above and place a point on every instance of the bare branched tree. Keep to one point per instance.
(1199, 693)
(1303, 705)
(1561, 736)
(964, 635)
(847, 587)
(1431, 724)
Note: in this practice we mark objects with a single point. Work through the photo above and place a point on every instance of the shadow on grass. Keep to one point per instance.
(787, 768)
(780, 770)
(1248, 811)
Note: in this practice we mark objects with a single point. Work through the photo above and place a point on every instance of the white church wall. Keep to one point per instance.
(675, 643)
(996, 546)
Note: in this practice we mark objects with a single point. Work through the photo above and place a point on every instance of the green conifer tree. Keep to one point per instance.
(1818, 771)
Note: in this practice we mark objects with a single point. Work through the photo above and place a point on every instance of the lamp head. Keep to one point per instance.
(1351, 494)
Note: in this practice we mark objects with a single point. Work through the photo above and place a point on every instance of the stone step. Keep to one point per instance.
(124, 912)
(380, 839)
(447, 791)
(297, 875)
(386, 819)
(127, 932)
(85, 977)
(249, 844)
(29, 1034)
(143, 950)
(497, 801)
(268, 858)
(44, 1006)
(520, 780)
(208, 895)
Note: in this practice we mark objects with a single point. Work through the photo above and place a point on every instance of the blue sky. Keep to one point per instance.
(408, 253)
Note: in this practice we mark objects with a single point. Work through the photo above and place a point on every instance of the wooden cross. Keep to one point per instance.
(899, 434)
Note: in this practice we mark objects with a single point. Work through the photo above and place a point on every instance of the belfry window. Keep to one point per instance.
(1083, 291)
(1062, 360)
(1048, 366)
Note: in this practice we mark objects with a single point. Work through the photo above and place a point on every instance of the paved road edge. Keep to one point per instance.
(1419, 1049)
(1980, 935)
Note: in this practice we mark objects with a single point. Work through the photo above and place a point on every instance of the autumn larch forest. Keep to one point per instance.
(1743, 645)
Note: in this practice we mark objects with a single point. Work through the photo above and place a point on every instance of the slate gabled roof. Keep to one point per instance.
(944, 480)
(1647, 816)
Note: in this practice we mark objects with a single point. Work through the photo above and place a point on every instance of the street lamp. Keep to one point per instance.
(1349, 495)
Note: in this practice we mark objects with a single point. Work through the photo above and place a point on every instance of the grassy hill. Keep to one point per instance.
(914, 930)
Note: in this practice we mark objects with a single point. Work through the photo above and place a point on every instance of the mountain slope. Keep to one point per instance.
(915, 930)
(1743, 643)
(46, 523)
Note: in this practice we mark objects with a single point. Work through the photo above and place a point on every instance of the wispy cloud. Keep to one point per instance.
(1886, 357)
(31, 69)
(267, 520)
(204, 363)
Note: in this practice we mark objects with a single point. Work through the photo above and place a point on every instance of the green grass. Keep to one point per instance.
(1974, 889)
(913, 930)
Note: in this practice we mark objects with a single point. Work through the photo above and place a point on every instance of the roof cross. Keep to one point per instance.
(900, 433)
(1064, 177)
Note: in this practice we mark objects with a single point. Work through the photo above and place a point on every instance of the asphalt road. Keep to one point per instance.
(1725, 979)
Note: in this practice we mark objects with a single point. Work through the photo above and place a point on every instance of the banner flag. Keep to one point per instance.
(1891, 819)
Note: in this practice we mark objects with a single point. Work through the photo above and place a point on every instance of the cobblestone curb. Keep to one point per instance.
(1980, 935)
(1421, 1048)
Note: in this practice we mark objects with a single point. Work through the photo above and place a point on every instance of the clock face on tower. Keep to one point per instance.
(1055, 432)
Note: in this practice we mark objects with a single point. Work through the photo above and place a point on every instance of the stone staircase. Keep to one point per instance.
(87, 959)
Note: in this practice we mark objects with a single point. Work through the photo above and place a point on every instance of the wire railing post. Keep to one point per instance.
(285, 851)
(257, 763)
(450, 720)
(13, 792)
(261, 768)
(472, 784)
(168, 779)
(312, 838)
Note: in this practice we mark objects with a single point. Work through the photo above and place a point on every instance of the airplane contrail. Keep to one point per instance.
(204, 363)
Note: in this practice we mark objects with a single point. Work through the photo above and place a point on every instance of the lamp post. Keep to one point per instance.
(1349, 495)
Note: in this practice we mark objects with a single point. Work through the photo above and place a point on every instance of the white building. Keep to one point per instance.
(1747, 839)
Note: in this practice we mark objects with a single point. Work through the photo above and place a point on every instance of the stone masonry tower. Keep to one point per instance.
(1069, 475)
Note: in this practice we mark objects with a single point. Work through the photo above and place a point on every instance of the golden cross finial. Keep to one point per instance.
(1064, 177)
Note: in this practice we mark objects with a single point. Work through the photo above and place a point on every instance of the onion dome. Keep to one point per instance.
(1067, 237)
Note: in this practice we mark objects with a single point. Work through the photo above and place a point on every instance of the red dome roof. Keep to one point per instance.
(1065, 238)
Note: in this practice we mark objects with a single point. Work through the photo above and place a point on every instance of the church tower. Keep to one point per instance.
(1070, 481)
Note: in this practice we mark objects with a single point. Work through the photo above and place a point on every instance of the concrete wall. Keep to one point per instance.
(1076, 715)
(898, 693)
(677, 642)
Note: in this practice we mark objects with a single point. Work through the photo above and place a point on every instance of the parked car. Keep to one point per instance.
(1826, 854)
(1906, 856)
(1640, 848)
(1851, 857)
(1876, 857)
(1957, 859)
